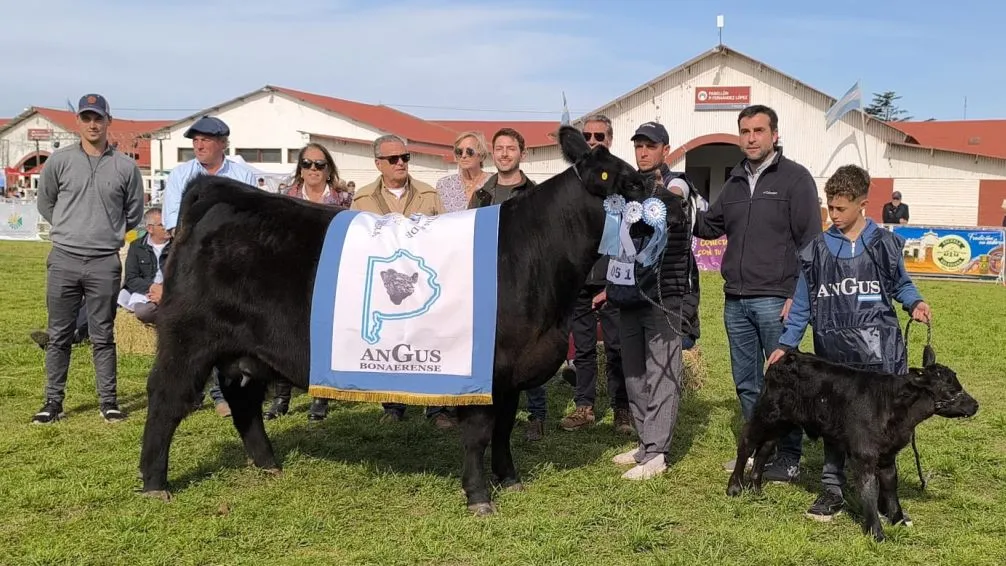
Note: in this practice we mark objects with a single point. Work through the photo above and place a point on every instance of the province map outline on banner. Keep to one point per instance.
(404, 309)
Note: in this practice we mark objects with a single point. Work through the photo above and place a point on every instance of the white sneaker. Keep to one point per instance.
(626, 458)
(653, 468)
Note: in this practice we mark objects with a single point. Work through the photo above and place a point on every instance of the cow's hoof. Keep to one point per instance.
(734, 489)
(482, 509)
(274, 472)
(161, 494)
(513, 486)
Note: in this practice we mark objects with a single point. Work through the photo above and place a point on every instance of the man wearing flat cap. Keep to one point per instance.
(209, 143)
(895, 212)
(91, 194)
(209, 137)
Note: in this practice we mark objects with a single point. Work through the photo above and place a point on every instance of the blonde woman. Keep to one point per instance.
(456, 190)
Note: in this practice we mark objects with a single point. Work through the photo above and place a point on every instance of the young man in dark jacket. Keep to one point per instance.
(508, 150)
(656, 309)
(768, 210)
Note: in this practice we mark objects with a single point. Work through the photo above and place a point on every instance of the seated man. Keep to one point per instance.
(141, 290)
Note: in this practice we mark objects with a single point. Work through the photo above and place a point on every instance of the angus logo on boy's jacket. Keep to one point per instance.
(867, 290)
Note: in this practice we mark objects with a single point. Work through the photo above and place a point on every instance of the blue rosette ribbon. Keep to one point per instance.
(655, 215)
(613, 207)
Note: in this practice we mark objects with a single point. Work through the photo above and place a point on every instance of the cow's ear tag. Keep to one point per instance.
(604, 175)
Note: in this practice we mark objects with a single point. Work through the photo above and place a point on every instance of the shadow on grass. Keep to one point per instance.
(353, 436)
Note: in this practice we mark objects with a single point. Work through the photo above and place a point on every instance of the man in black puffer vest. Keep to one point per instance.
(656, 310)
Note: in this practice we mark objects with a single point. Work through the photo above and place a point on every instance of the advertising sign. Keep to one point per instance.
(972, 253)
(722, 97)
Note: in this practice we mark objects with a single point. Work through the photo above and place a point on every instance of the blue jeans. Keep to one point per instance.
(753, 327)
(537, 402)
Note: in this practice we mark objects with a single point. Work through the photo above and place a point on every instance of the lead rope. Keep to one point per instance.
(928, 348)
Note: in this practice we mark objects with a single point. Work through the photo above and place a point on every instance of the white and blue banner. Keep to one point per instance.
(19, 221)
(404, 309)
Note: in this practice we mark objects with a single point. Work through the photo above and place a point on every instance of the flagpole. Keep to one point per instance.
(862, 113)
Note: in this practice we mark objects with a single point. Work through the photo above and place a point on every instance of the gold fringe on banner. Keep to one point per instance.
(398, 397)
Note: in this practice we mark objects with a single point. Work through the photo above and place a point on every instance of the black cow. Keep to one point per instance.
(238, 288)
(869, 415)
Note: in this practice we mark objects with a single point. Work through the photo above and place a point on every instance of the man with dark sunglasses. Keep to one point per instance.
(397, 191)
(597, 131)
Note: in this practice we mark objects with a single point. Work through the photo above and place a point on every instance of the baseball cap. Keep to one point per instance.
(896, 195)
(208, 126)
(652, 131)
(93, 103)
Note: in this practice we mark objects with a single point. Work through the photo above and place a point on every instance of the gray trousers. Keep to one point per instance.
(68, 279)
(651, 360)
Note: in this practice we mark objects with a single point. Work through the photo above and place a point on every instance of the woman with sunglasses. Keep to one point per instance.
(456, 190)
(316, 179)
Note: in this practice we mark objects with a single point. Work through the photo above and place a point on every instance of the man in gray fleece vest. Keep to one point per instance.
(92, 195)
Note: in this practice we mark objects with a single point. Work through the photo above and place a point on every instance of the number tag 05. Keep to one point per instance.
(621, 273)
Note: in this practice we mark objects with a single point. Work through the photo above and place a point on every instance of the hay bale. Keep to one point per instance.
(132, 336)
(695, 369)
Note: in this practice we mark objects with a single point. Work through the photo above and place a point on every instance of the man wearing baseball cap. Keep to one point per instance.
(895, 212)
(91, 195)
(210, 138)
(658, 306)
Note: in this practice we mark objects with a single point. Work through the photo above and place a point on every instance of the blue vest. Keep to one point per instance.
(853, 318)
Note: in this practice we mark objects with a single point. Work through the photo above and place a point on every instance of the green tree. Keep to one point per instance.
(884, 107)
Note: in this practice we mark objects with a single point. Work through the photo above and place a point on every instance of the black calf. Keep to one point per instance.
(869, 415)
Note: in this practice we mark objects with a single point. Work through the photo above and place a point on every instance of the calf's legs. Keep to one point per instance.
(869, 493)
(888, 503)
(759, 437)
(246, 410)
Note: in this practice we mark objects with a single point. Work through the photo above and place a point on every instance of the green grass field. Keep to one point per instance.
(356, 492)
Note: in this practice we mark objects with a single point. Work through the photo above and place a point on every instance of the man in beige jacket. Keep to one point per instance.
(396, 191)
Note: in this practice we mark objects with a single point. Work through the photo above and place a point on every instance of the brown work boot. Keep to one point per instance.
(582, 417)
(535, 430)
(623, 421)
(442, 421)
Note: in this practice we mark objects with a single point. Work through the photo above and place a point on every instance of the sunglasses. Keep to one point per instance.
(458, 152)
(393, 159)
(319, 164)
(599, 136)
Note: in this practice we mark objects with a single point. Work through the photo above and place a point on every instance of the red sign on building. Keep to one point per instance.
(39, 134)
(722, 97)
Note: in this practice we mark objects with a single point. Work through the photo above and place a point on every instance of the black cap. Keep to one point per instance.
(208, 126)
(654, 132)
(93, 103)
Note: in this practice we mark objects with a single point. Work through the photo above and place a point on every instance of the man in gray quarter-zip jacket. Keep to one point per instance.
(92, 195)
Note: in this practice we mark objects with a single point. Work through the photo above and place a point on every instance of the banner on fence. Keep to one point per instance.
(968, 253)
(18, 221)
(932, 251)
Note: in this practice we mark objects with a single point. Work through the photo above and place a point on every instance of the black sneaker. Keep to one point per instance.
(111, 413)
(781, 470)
(826, 507)
(51, 412)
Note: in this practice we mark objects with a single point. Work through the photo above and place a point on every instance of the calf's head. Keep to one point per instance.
(949, 396)
(602, 173)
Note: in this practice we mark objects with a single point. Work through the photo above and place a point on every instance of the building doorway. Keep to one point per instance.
(709, 165)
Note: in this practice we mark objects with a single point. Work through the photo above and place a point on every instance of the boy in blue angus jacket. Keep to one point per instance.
(848, 278)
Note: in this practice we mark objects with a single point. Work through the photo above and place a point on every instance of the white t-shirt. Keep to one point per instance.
(158, 248)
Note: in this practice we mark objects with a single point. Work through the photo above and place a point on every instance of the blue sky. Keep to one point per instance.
(439, 59)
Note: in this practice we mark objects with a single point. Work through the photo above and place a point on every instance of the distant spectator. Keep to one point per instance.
(896, 212)
(456, 189)
(144, 261)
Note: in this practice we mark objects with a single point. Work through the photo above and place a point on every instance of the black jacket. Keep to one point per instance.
(141, 265)
(893, 214)
(765, 231)
(490, 193)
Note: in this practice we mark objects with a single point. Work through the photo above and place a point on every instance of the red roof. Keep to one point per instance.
(425, 149)
(381, 117)
(983, 137)
(3, 122)
(126, 132)
(536, 133)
